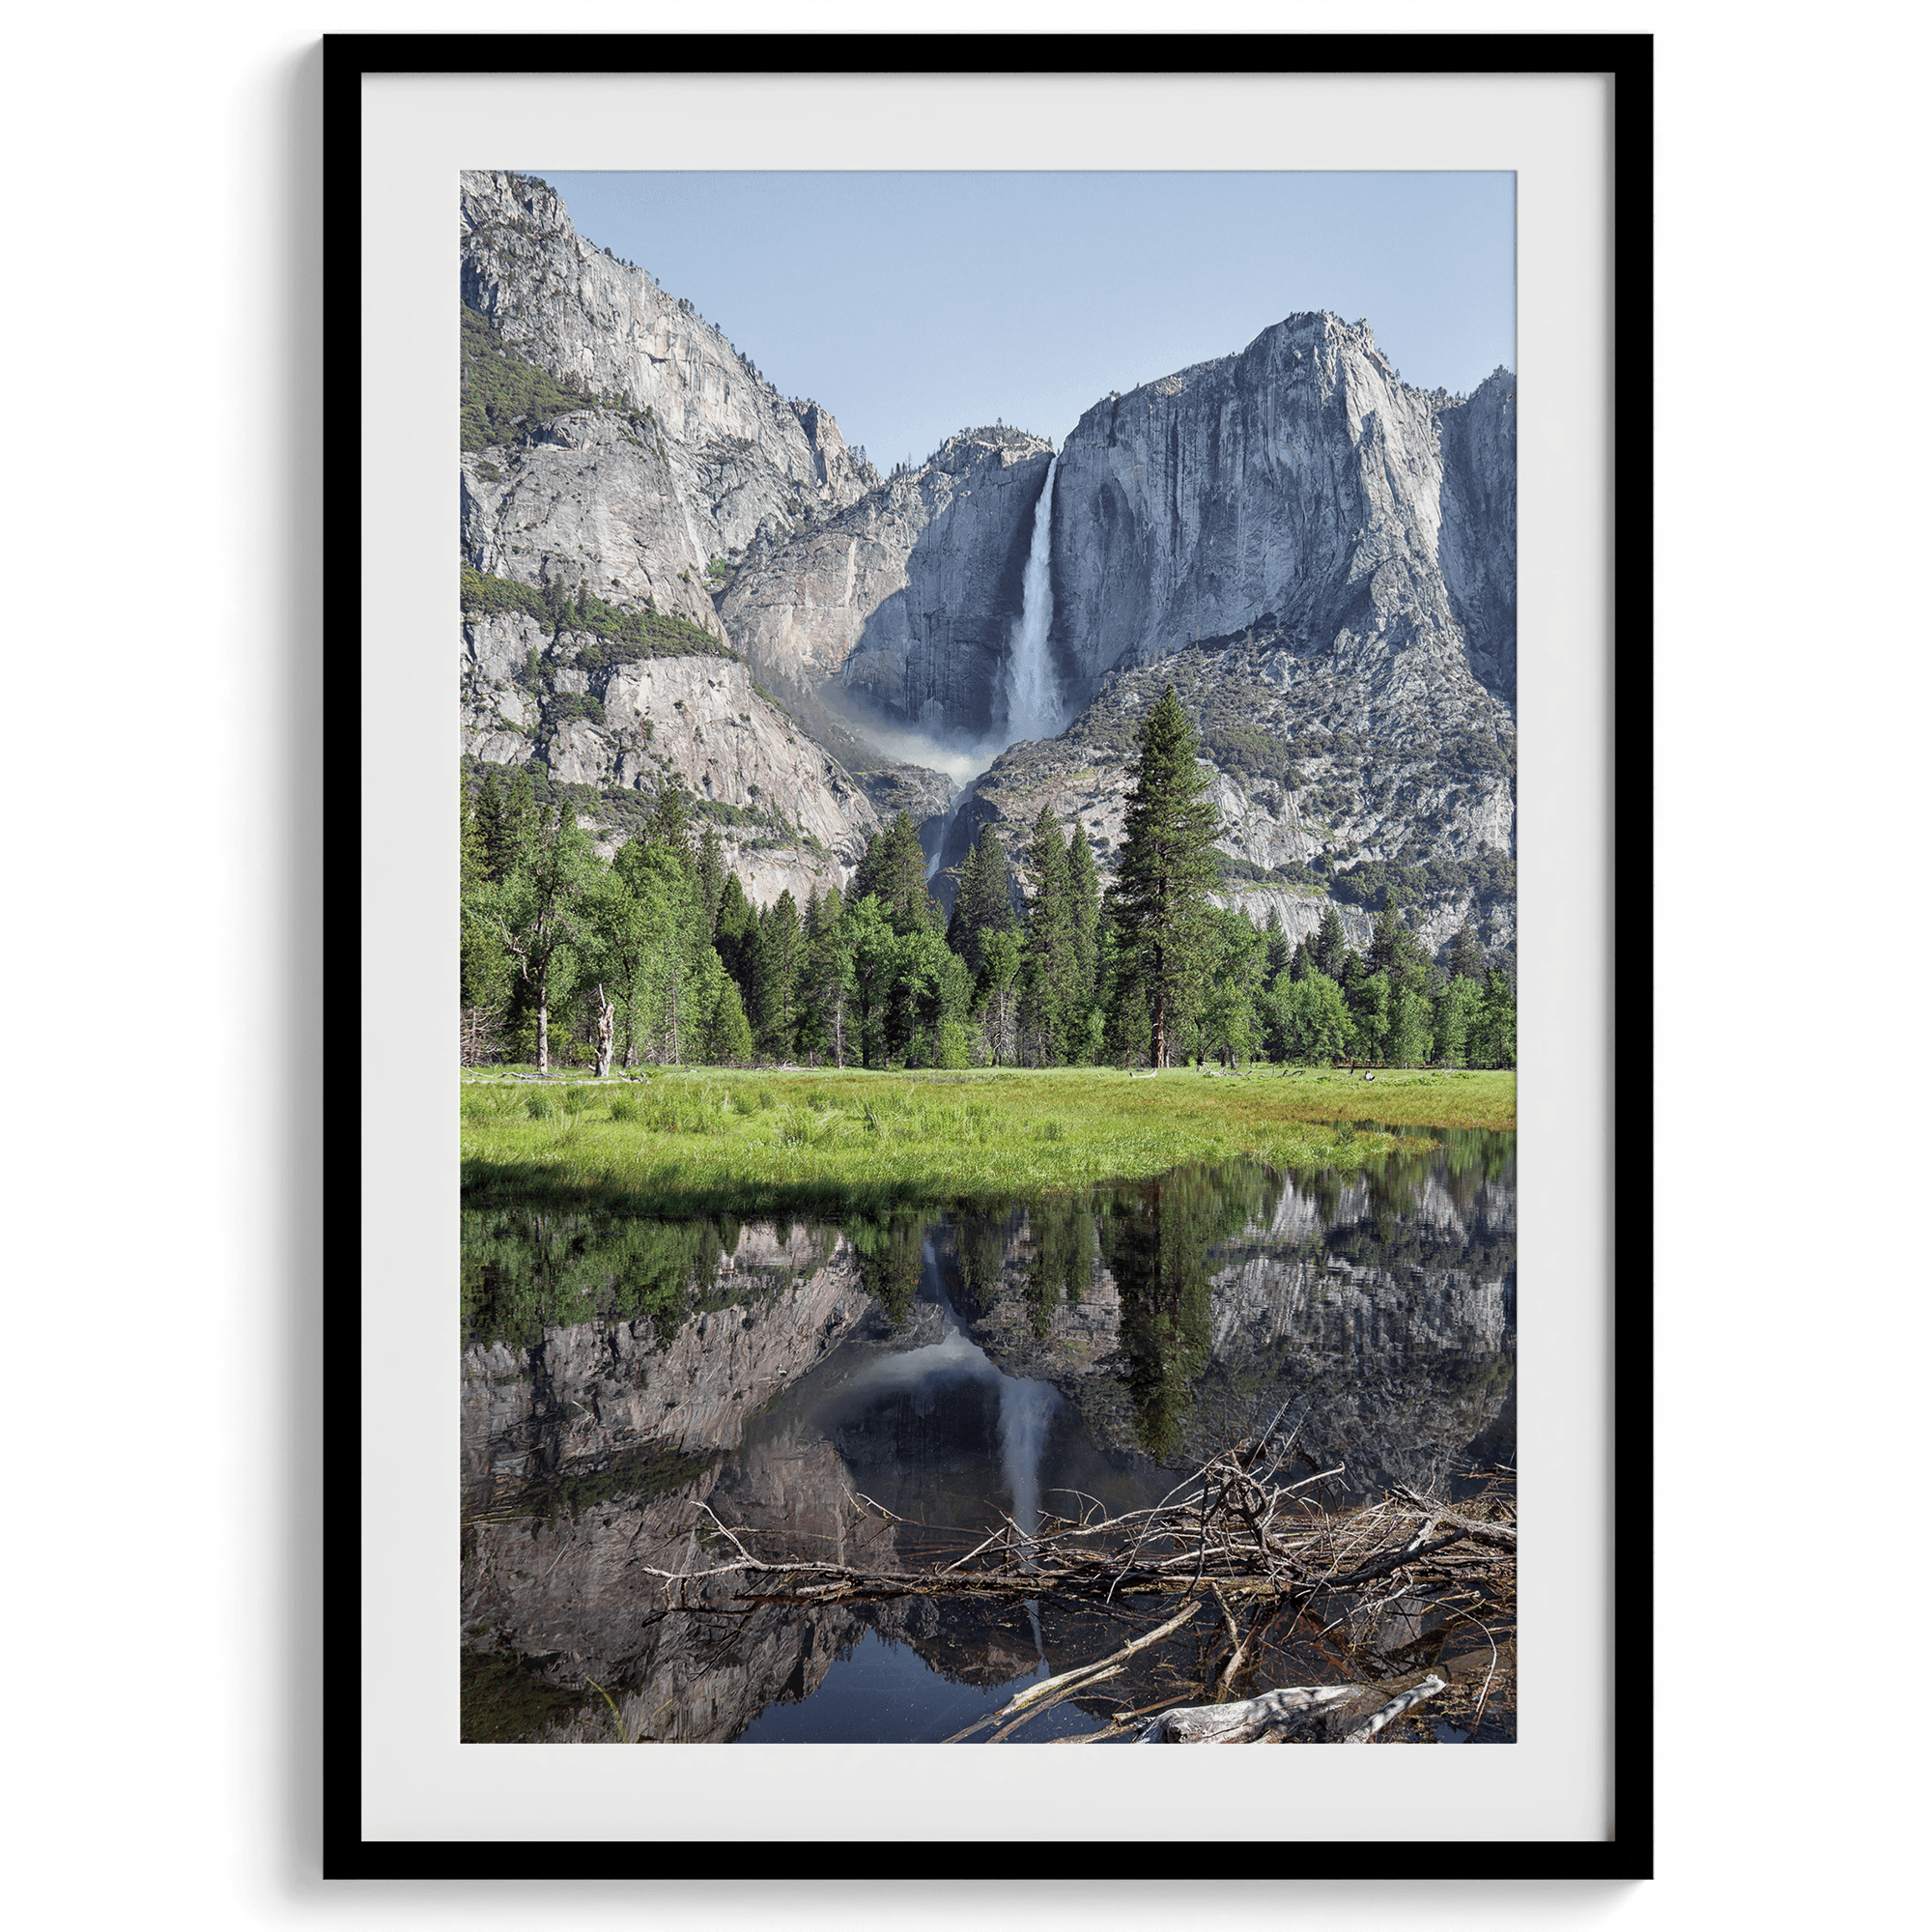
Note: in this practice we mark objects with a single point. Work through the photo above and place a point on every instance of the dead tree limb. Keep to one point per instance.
(1073, 1680)
(1429, 1686)
(1500, 1535)
(1243, 1722)
(1033, 1710)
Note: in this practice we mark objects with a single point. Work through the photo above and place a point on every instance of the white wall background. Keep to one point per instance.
(162, 954)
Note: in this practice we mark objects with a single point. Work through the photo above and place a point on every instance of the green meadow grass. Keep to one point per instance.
(706, 1140)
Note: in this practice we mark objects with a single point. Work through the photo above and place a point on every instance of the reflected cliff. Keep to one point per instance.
(885, 1392)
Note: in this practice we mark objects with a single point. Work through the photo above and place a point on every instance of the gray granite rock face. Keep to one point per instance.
(1412, 791)
(1297, 483)
(924, 796)
(740, 456)
(1321, 555)
(588, 503)
(645, 508)
(907, 599)
(1478, 541)
(790, 818)
(1305, 543)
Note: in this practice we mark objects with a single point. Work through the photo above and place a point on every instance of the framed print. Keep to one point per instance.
(1033, 793)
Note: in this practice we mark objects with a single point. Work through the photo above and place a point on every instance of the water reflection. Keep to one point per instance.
(622, 1378)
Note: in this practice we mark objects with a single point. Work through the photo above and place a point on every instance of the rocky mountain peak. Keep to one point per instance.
(1322, 554)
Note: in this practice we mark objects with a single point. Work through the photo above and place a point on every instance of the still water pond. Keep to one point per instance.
(883, 1392)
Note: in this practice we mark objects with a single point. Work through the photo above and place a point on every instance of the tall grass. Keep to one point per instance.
(705, 1140)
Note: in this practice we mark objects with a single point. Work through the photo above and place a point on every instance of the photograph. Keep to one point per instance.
(988, 956)
(1121, 691)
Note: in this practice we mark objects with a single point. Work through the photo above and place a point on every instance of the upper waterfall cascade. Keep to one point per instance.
(1033, 691)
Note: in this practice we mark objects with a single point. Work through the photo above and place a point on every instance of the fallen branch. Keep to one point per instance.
(1277, 1711)
(1073, 1680)
(1500, 1535)
(1230, 1531)
(1429, 1686)
(1033, 1710)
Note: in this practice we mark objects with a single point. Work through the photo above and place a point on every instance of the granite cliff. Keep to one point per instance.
(905, 600)
(639, 500)
(1320, 557)
(740, 456)
(1313, 814)
(788, 816)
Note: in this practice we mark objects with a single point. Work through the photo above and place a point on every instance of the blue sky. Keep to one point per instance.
(915, 304)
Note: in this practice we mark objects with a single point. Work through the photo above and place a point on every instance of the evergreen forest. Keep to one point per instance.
(660, 958)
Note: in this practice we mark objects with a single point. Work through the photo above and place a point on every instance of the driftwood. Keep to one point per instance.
(1500, 1535)
(1236, 1535)
(1271, 1715)
(1429, 1686)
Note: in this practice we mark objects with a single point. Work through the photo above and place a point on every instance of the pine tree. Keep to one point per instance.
(1370, 1013)
(1466, 953)
(669, 822)
(710, 879)
(984, 902)
(1168, 864)
(1083, 908)
(874, 949)
(473, 851)
(999, 1020)
(1329, 948)
(730, 1032)
(1129, 1031)
(484, 966)
(1051, 1003)
(734, 932)
(829, 981)
(779, 967)
(1278, 953)
(506, 814)
(893, 871)
(1396, 951)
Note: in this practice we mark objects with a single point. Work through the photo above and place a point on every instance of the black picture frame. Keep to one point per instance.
(1627, 1852)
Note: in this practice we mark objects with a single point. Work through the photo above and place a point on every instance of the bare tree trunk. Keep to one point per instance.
(543, 1036)
(607, 1021)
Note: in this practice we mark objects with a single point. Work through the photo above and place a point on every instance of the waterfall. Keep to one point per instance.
(1033, 692)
